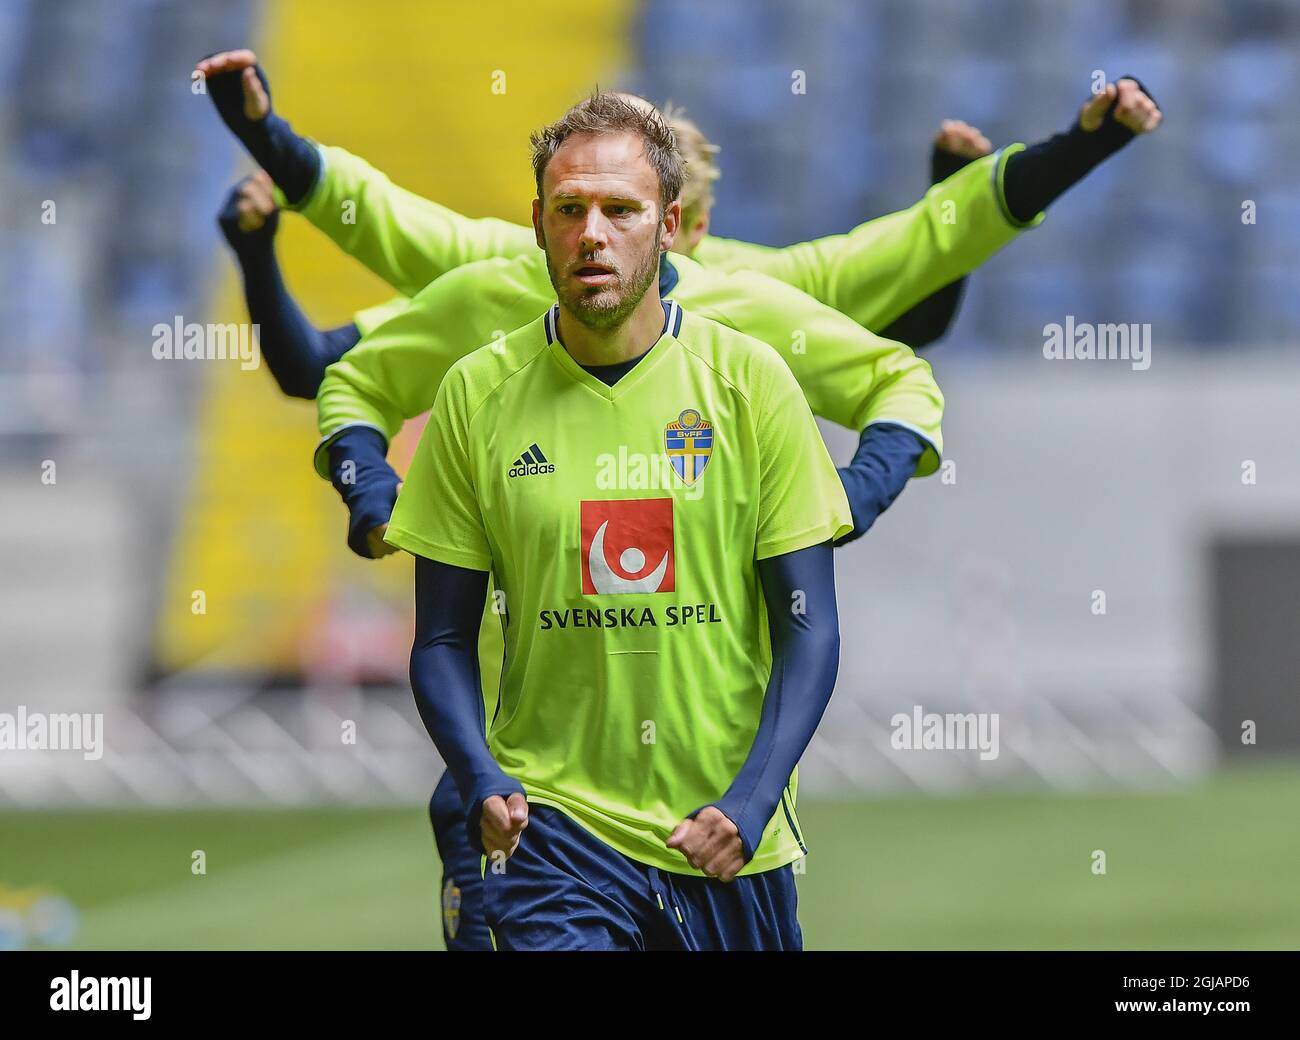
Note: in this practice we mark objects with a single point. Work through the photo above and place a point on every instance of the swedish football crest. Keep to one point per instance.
(450, 908)
(688, 442)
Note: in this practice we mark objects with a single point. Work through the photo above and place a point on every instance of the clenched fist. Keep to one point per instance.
(710, 842)
(1133, 109)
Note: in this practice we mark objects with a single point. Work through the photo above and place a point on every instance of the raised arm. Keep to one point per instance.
(296, 351)
(956, 145)
(403, 238)
(885, 266)
(882, 268)
(406, 240)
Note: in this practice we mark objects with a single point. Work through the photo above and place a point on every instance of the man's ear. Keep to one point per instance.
(672, 224)
(690, 237)
(537, 224)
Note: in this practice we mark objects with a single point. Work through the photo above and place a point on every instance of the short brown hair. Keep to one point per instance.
(607, 113)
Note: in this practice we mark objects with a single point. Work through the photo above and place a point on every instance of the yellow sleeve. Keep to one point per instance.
(405, 239)
(437, 514)
(801, 500)
(847, 374)
(393, 374)
(884, 267)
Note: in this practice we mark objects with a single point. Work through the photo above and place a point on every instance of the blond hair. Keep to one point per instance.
(701, 169)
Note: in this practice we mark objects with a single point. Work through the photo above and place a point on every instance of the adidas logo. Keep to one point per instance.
(529, 463)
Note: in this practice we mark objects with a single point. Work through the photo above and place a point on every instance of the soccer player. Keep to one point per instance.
(669, 653)
(297, 354)
(850, 376)
(1058, 175)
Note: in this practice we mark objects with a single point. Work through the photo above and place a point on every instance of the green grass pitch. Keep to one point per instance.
(1209, 865)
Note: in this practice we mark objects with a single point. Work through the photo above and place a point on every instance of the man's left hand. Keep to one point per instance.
(711, 843)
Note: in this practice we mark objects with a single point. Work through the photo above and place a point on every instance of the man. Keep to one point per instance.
(873, 477)
(627, 614)
(294, 349)
(874, 386)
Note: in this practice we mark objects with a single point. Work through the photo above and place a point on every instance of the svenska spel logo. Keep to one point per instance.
(627, 546)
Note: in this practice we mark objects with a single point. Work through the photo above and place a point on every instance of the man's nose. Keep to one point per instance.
(595, 232)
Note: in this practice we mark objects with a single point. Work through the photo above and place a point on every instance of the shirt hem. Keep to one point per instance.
(803, 540)
(418, 546)
(772, 860)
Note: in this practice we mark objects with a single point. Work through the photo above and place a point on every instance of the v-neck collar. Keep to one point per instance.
(672, 327)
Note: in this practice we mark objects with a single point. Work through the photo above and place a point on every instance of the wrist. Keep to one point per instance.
(292, 161)
(943, 163)
(254, 250)
(366, 512)
(366, 483)
(1093, 146)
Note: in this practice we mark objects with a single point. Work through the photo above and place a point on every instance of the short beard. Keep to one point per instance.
(605, 309)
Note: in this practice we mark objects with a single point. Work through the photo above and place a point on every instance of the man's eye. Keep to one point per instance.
(620, 211)
(569, 209)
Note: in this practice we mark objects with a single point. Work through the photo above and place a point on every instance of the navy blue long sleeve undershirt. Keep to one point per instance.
(803, 621)
(445, 680)
(1037, 176)
(883, 464)
(290, 159)
(360, 473)
(296, 352)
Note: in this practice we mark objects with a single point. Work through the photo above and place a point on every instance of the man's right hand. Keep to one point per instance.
(1133, 108)
(249, 214)
(955, 145)
(962, 140)
(375, 538)
(502, 822)
(257, 102)
(241, 94)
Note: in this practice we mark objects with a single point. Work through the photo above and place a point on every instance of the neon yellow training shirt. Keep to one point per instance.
(637, 647)
(849, 375)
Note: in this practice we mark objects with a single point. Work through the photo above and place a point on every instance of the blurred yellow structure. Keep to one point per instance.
(447, 114)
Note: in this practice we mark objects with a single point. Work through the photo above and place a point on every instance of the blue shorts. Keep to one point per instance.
(564, 889)
(463, 926)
